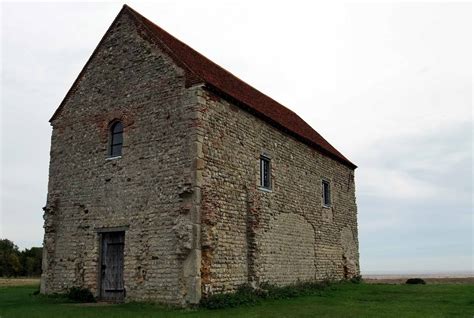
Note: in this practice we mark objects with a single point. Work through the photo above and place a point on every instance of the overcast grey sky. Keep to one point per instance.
(389, 85)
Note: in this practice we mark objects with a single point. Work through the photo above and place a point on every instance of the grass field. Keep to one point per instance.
(342, 300)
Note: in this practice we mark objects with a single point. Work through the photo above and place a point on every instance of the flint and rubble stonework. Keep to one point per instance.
(185, 190)
(280, 236)
(149, 190)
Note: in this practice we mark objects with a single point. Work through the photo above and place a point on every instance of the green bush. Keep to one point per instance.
(356, 279)
(415, 281)
(80, 295)
(246, 295)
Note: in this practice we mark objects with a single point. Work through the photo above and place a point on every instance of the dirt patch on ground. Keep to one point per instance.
(18, 281)
(428, 280)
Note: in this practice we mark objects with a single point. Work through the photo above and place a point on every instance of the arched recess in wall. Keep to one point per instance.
(286, 255)
(349, 253)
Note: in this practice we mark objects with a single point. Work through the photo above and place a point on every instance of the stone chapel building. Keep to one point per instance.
(171, 179)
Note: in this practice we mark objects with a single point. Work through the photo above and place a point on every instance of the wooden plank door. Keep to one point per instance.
(112, 266)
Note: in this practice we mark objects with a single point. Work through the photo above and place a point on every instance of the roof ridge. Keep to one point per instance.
(138, 17)
(200, 69)
(141, 17)
(231, 85)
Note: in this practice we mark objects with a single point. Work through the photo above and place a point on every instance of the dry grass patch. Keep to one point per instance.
(4, 282)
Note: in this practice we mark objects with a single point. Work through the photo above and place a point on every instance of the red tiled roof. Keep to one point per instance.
(203, 70)
(220, 79)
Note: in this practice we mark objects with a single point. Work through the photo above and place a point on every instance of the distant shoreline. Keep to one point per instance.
(379, 275)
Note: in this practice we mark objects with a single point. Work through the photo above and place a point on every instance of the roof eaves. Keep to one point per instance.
(279, 126)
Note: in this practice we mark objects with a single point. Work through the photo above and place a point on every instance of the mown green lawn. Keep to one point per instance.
(341, 300)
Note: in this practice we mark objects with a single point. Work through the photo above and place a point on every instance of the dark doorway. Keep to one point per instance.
(111, 263)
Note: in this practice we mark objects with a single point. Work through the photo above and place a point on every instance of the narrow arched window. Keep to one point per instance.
(116, 139)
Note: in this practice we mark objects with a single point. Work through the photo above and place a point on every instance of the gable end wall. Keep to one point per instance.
(149, 192)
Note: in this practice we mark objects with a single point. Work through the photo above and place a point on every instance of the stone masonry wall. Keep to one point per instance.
(150, 192)
(186, 187)
(280, 236)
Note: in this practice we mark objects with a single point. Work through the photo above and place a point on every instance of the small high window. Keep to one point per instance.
(116, 139)
(265, 172)
(326, 193)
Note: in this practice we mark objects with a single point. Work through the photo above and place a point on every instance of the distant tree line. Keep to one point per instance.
(14, 262)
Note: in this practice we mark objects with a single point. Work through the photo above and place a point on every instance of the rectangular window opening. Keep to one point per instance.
(326, 193)
(265, 173)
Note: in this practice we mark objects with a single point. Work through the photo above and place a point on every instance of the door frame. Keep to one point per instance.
(100, 232)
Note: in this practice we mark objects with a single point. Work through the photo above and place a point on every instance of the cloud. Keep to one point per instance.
(395, 184)
(415, 201)
(431, 165)
(389, 85)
